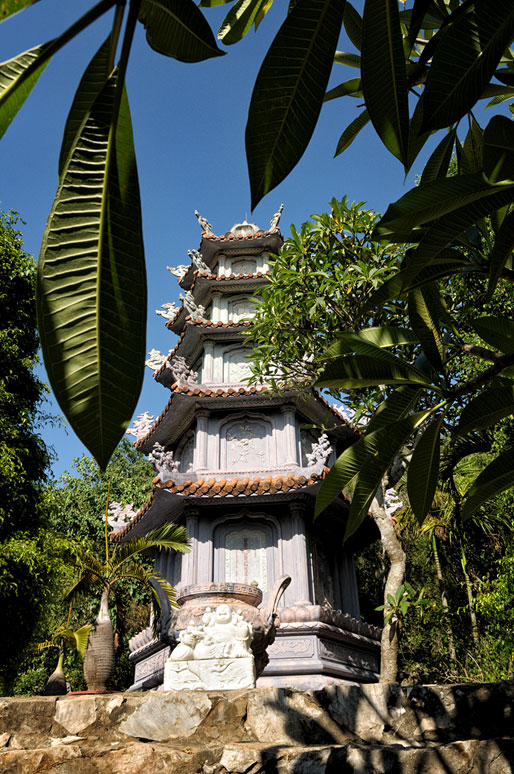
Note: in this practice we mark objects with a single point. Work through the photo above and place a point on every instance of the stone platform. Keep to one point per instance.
(370, 729)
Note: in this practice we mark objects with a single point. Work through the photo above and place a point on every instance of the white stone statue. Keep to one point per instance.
(198, 262)
(196, 311)
(204, 224)
(321, 451)
(179, 271)
(164, 462)
(141, 425)
(213, 656)
(275, 220)
(170, 311)
(181, 373)
(156, 359)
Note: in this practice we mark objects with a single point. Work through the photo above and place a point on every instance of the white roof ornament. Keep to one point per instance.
(163, 461)
(120, 515)
(204, 224)
(156, 359)
(275, 220)
(179, 271)
(198, 261)
(196, 311)
(142, 426)
(170, 311)
(321, 451)
(181, 373)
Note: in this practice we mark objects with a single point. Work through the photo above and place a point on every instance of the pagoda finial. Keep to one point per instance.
(204, 224)
(275, 220)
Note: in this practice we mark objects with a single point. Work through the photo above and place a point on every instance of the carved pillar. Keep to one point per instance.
(208, 362)
(190, 560)
(201, 438)
(287, 449)
(221, 266)
(301, 582)
(216, 315)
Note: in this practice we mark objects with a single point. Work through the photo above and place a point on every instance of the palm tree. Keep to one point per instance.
(120, 565)
(64, 636)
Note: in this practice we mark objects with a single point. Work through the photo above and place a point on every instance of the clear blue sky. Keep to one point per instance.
(189, 125)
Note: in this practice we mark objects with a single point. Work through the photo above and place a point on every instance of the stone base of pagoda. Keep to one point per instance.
(149, 655)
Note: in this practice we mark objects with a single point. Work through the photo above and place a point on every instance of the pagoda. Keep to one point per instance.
(238, 465)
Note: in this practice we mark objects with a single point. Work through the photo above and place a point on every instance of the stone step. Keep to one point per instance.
(491, 756)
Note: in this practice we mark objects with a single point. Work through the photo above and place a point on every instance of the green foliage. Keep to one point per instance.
(397, 606)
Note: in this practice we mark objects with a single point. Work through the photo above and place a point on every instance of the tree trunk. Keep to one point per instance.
(471, 601)
(444, 599)
(56, 683)
(99, 660)
(395, 578)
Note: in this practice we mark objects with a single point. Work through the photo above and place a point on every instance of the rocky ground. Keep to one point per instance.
(379, 729)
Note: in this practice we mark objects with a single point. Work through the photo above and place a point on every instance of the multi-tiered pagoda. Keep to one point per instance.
(239, 468)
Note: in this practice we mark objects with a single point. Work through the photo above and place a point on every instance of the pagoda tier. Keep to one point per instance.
(240, 466)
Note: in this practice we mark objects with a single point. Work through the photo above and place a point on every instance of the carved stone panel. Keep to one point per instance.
(185, 453)
(292, 647)
(235, 365)
(240, 308)
(152, 666)
(244, 445)
(243, 266)
(245, 556)
(336, 651)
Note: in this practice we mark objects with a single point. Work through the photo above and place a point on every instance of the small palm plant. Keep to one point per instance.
(120, 565)
(62, 637)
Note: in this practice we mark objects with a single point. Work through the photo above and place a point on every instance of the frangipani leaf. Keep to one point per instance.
(239, 20)
(498, 332)
(501, 252)
(81, 637)
(367, 371)
(495, 478)
(368, 459)
(486, 409)
(289, 90)
(384, 76)
(438, 163)
(397, 406)
(351, 87)
(424, 318)
(423, 470)
(351, 132)
(177, 28)
(18, 76)
(353, 25)
(10, 7)
(370, 341)
(91, 83)
(498, 150)
(465, 60)
(91, 288)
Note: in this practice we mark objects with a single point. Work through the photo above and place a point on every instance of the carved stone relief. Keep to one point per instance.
(291, 647)
(243, 266)
(245, 556)
(338, 652)
(240, 308)
(246, 445)
(185, 453)
(235, 366)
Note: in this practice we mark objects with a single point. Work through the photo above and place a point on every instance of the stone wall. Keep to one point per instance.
(370, 728)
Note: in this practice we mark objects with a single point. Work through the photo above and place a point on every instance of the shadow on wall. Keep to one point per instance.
(389, 729)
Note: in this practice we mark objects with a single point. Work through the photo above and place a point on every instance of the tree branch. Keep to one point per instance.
(504, 361)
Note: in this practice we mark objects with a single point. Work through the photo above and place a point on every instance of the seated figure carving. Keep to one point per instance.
(223, 634)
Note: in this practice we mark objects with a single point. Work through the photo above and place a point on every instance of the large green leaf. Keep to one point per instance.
(289, 91)
(350, 60)
(10, 7)
(367, 371)
(473, 146)
(499, 149)
(370, 341)
(91, 83)
(465, 60)
(353, 25)
(425, 203)
(239, 20)
(177, 28)
(486, 409)
(351, 132)
(384, 77)
(501, 252)
(438, 163)
(498, 332)
(395, 407)
(448, 262)
(91, 289)
(423, 469)
(352, 86)
(495, 478)
(424, 318)
(18, 77)
(368, 459)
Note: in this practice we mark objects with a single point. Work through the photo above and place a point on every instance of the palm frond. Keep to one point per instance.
(171, 537)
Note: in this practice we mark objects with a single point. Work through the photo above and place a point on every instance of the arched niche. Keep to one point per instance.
(236, 368)
(185, 452)
(246, 549)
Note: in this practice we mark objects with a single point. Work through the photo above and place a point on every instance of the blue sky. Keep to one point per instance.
(189, 125)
